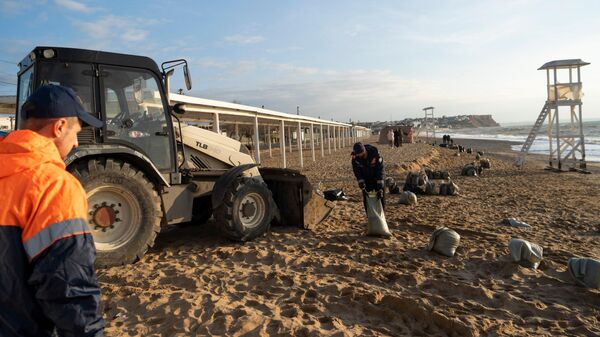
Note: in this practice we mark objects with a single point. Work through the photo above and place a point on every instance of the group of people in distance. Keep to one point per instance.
(446, 139)
(394, 137)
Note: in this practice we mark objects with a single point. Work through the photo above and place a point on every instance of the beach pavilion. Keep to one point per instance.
(268, 128)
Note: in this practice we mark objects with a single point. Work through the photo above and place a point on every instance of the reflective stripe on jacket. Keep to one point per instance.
(47, 277)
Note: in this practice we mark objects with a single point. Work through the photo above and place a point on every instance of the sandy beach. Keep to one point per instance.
(335, 281)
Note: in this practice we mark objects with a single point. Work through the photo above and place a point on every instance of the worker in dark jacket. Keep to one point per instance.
(47, 280)
(368, 170)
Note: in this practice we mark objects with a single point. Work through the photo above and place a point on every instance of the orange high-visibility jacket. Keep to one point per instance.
(47, 277)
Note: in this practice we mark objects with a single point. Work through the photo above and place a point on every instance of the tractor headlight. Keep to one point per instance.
(48, 53)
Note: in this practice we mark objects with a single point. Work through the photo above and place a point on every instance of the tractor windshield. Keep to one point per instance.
(77, 76)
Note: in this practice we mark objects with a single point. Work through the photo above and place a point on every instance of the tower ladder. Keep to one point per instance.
(532, 134)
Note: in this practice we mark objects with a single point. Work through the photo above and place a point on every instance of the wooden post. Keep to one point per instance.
(269, 140)
(257, 138)
(216, 123)
(299, 140)
(321, 136)
(312, 141)
(290, 137)
(282, 143)
(335, 138)
(328, 139)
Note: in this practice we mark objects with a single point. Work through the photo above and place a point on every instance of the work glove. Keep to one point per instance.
(380, 185)
(361, 185)
(380, 194)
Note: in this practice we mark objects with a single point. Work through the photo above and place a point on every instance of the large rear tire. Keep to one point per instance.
(246, 211)
(124, 210)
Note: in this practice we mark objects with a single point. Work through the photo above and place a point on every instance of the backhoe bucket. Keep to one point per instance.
(298, 204)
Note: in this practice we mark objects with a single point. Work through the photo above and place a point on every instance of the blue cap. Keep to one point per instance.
(358, 148)
(55, 101)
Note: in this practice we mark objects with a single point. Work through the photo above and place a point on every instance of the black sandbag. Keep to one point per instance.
(469, 170)
(449, 188)
(430, 188)
(334, 194)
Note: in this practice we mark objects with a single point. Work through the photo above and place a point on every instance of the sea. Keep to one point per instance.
(519, 132)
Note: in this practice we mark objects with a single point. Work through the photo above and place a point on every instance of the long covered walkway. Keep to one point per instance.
(267, 129)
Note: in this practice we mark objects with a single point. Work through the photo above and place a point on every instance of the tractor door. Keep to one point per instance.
(131, 101)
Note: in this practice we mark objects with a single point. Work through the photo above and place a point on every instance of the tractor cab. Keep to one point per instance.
(125, 91)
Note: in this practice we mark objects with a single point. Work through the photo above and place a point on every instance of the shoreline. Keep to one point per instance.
(502, 150)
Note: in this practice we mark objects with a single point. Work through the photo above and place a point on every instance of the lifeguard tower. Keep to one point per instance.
(429, 124)
(565, 142)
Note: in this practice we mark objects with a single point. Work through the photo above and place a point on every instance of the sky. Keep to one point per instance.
(346, 60)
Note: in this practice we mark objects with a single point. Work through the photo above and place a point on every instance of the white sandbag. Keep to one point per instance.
(377, 224)
(408, 198)
(444, 241)
(527, 254)
(586, 271)
(516, 223)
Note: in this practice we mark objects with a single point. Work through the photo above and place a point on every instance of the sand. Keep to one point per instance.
(334, 281)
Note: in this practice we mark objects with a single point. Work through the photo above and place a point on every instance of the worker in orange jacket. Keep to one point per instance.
(47, 280)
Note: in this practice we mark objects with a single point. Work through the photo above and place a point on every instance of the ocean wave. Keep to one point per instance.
(519, 133)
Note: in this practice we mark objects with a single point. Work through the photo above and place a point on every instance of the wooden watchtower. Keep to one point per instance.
(564, 92)
(429, 124)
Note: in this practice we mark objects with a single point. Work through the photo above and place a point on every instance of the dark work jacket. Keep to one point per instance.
(370, 170)
(47, 277)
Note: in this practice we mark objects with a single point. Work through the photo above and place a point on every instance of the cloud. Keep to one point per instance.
(112, 27)
(74, 6)
(14, 6)
(290, 68)
(244, 39)
(357, 94)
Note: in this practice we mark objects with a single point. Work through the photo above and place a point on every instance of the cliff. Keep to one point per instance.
(479, 121)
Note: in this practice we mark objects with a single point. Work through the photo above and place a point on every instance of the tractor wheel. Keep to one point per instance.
(124, 210)
(246, 211)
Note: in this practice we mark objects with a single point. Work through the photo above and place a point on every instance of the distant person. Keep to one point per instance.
(396, 138)
(368, 170)
(48, 284)
(390, 137)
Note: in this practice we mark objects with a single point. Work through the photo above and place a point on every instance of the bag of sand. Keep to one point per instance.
(586, 271)
(444, 241)
(377, 225)
(525, 253)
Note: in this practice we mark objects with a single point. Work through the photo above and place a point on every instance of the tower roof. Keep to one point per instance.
(562, 64)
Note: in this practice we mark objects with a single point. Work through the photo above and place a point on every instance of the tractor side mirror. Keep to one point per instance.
(179, 108)
(187, 77)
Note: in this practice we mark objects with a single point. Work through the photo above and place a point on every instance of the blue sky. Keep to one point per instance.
(359, 60)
